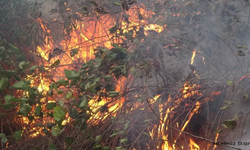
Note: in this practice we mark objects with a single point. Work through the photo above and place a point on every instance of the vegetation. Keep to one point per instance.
(147, 62)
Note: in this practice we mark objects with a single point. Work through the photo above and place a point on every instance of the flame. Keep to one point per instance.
(216, 138)
(96, 115)
(193, 56)
(197, 106)
(193, 145)
(192, 61)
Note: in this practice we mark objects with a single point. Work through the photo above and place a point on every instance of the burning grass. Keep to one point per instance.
(157, 107)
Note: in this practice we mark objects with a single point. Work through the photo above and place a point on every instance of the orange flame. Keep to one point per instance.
(216, 138)
(193, 145)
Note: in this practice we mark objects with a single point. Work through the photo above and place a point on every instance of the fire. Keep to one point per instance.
(96, 115)
(216, 138)
(192, 61)
(86, 39)
(197, 106)
(193, 56)
(193, 145)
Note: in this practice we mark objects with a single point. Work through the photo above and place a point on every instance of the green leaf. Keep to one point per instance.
(227, 104)
(52, 147)
(59, 91)
(69, 95)
(51, 106)
(40, 125)
(98, 138)
(2, 135)
(126, 125)
(69, 148)
(62, 82)
(231, 124)
(50, 125)
(7, 105)
(84, 8)
(113, 93)
(8, 98)
(107, 78)
(73, 113)
(230, 83)
(242, 46)
(17, 77)
(148, 120)
(145, 133)
(129, 34)
(119, 133)
(38, 110)
(117, 4)
(71, 74)
(240, 53)
(87, 85)
(123, 140)
(25, 109)
(59, 113)
(16, 100)
(93, 3)
(18, 135)
(53, 86)
(61, 103)
(97, 146)
(46, 131)
(245, 96)
(105, 148)
(69, 140)
(113, 30)
(24, 65)
(4, 139)
(57, 62)
(3, 83)
(160, 21)
(20, 85)
(218, 131)
(73, 52)
(55, 130)
(238, 115)
(14, 48)
(119, 148)
(84, 102)
(32, 69)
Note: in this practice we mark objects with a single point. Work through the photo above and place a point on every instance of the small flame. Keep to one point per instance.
(216, 138)
(193, 56)
(190, 116)
(193, 145)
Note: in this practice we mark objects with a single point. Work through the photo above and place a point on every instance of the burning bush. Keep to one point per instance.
(122, 75)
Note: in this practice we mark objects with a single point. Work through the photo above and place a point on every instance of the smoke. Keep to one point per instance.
(219, 33)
